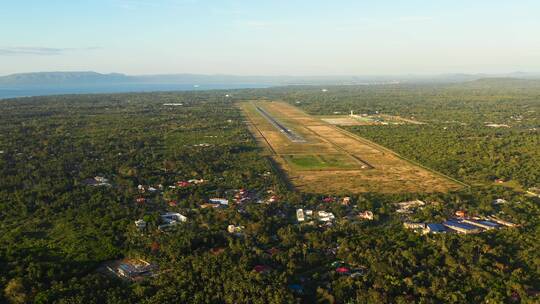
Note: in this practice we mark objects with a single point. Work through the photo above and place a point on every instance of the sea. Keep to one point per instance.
(27, 91)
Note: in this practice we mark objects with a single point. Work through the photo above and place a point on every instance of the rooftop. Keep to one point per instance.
(461, 226)
(436, 227)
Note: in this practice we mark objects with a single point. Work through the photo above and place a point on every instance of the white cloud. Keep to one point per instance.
(39, 51)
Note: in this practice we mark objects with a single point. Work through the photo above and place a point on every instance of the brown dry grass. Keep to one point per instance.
(344, 121)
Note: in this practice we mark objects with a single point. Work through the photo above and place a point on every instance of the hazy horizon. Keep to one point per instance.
(412, 74)
(303, 38)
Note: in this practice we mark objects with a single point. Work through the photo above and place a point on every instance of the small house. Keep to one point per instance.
(220, 201)
(140, 224)
(196, 181)
(235, 229)
(182, 184)
(296, 288)
(300, 215)
(343, 270)
(434, 228)
(366, 215)
(262, 269)
(212, 205)
(101, 180)
(273, 199)
(97, 181)
(273, 251)
(328, 200)
(500, 201)
(325, 216)
(460, 213)
(217, 250)
(410, 225)
(133, 269)
(171, 219)
(405, 207)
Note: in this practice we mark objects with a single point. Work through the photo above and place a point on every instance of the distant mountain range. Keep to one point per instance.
(63, 78)
(93, 78)
(58, 83)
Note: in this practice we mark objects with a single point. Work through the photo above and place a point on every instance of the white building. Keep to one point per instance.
(404, 207)
(235, 229)
(410, 225)
(141, 224)
(366, 215)
(300, 215)
(170, 219)
(221, 201)
(325, 216)
(101, 179)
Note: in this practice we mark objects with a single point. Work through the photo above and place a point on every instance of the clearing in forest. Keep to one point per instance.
(367, 120)
(328, 159)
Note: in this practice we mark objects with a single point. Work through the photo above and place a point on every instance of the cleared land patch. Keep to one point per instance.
(321, 162)
(332, 160)
(367, 120)
(342, 121)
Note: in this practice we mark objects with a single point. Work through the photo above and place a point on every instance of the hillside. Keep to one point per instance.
(506, 82)
(62, 78)
(89, 77)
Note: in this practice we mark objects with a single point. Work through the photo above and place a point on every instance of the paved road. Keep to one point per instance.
(294, 137)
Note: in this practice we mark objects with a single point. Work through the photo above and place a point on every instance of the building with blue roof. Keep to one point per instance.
(434, 228)
(488, 225)
(462, 227)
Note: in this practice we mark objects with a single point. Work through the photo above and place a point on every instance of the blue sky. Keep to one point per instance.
(293, 37)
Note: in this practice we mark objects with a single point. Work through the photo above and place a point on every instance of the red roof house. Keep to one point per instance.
(262, 268)
(182, 184)
(460, 213)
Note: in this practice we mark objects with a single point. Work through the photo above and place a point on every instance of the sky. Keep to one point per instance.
(274, 37)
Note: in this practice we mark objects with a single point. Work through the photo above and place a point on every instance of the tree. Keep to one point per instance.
(15, 291)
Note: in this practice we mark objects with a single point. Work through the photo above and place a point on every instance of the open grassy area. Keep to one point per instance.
(321, 162)
(331, 156)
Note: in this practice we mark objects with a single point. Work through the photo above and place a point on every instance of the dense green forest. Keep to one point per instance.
(56, 231)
